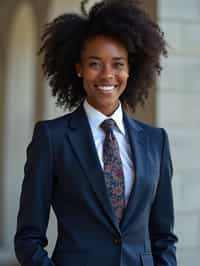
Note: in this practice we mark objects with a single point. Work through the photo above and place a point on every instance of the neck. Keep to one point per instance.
(106, 110)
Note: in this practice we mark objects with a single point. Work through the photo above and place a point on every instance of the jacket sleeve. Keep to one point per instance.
(33, 216)
(162, 236)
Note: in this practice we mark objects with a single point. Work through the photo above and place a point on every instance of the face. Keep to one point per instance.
(104, 70)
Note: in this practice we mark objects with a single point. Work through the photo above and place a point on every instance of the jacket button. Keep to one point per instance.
(117, 241)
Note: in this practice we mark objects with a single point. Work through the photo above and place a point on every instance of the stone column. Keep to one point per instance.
(179, 111)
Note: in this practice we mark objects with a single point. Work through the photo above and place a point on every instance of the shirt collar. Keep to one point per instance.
(96, 118)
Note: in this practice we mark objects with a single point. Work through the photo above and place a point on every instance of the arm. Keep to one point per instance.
(162, 213)
(33, 216)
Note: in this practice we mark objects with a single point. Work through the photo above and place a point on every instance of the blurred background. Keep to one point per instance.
(174, 103)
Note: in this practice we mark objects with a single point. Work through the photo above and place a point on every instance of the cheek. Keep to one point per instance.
(124, 74)
(124, 77)
(89, 78)
(88, 85)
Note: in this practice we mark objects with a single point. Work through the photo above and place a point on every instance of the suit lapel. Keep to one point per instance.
(138, 143)
(82, 142)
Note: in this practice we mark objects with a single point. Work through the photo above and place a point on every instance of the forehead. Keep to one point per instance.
(102, 46)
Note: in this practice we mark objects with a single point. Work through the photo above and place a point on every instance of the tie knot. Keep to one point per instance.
(107, 125)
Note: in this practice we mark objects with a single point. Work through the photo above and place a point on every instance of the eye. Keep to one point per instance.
(95, 64)
(119, 65)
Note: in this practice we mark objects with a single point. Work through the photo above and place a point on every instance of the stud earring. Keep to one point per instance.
(79, 75)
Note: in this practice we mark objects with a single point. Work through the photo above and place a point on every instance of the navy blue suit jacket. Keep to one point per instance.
(63, 171)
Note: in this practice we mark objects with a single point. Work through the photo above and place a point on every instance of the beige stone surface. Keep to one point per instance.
(183, 10)
(182, 38)
(188, 256)
(179, 111)
(180, 73)
(188, 235)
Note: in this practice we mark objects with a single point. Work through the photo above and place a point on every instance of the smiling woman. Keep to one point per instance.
(104, 68)
(65, 38)
(107, 176)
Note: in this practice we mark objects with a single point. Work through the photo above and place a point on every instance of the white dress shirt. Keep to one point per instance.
(95, 119)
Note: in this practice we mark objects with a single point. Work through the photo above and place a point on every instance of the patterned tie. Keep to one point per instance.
(113, 171)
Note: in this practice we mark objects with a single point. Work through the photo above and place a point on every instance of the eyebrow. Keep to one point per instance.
(99, 58)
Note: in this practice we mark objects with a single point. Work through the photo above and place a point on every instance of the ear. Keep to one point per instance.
(78, 69)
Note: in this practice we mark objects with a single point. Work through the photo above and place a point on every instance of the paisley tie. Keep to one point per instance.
(113, 171)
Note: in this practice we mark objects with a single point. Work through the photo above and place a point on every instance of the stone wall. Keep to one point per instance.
(178, 110)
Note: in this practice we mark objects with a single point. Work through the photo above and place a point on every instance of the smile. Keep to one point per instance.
(106, 88)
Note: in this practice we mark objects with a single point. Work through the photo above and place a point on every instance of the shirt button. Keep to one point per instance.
(117, 241)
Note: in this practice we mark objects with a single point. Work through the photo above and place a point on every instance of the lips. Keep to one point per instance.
(106, 88)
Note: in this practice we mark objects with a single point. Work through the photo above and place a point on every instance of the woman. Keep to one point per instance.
(107, 177)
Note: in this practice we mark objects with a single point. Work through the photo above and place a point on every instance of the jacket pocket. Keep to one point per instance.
(70, 259)
(147, 260)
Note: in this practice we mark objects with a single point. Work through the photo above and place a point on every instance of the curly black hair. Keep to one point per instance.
(126, 21)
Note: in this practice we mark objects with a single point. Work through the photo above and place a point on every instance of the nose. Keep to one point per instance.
(107, 72)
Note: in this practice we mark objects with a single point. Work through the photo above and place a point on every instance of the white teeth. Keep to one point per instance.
(106, 88)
